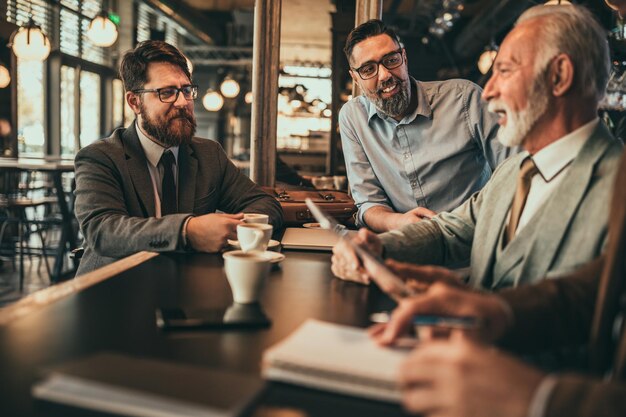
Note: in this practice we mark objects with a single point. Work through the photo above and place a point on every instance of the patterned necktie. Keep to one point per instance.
(524, 178)
(168, 187)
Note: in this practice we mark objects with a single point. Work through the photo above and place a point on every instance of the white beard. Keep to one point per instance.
(519, 124)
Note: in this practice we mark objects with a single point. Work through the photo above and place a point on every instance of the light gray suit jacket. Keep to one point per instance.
(569, 230)
(115, 197)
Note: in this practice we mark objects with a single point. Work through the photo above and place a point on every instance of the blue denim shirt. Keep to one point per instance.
(435, 157)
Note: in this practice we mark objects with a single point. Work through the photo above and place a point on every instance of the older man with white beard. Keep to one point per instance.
(544, 211)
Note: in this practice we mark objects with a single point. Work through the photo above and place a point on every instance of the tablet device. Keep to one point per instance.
(386, 280)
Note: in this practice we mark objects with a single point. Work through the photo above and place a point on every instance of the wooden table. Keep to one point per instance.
(114, 310)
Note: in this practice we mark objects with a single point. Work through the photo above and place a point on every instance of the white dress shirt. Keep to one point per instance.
(153, 152)
(553, 162)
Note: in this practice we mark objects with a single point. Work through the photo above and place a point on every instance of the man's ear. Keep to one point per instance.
(561, 75)
(354, 75)
(133, 101)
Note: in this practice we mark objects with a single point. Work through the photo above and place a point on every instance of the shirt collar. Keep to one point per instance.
(423, 106)
(555, 157)
(153, 150)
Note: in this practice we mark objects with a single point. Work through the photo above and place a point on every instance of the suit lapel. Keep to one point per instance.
(188, 168)
(560, 209)
(138, 170)
(493, 214)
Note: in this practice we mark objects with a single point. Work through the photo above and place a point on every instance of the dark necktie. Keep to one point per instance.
(168, 187)
(524, 178)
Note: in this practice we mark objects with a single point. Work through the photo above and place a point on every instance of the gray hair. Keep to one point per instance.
(573, 30)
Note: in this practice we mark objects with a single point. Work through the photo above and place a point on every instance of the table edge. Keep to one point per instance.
(39, 299)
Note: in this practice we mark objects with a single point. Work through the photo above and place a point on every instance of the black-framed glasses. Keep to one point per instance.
(170, 94)
(390, 61)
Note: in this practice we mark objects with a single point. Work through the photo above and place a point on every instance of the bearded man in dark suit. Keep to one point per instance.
(154, 186)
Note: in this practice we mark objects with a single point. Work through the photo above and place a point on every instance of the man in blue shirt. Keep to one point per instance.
(411, 148)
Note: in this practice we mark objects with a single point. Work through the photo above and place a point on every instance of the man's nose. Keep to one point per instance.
(490, 88)
(181, 101)
(383, 73)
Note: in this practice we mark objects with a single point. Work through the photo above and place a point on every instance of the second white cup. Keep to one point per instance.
(256, 218)
(246, 273)
(254, 236)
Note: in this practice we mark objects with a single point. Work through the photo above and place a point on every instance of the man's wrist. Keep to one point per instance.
(539, 401)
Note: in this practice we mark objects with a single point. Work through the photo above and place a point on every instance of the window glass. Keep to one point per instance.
(30, 109)
(118, 103)
(89, 107)
(68, 114)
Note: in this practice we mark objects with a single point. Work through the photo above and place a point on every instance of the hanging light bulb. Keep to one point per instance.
(248, 97)
(102, 31)
(229, 88)
(212, 100)
(5, 76)
(29, 43)
(487, 57)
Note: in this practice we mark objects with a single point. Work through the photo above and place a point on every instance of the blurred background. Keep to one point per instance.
(52, 107)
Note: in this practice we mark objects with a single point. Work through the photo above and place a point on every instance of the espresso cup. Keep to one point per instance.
(254, 236)
(246, 273)
(256, 218)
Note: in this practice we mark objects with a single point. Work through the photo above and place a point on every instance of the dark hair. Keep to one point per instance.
(366, 30)
(134, 65)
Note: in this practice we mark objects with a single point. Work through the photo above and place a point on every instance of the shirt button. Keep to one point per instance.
(413, 184)
(407, 156)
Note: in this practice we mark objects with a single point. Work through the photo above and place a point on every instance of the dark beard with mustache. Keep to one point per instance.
(163, 131)
(396, 105)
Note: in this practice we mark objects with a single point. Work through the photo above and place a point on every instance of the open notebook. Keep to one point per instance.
(335, 358)
(145, 387)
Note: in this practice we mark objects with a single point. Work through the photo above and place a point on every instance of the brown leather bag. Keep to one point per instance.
(337, 204)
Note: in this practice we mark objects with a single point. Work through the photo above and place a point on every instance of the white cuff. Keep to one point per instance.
(539, 402)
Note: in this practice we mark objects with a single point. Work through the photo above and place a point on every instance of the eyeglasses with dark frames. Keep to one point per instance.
(390, 61)
(170, 94)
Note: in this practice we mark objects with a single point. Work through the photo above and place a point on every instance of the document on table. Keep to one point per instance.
(336, 358)
(308, 239)
(145, 387)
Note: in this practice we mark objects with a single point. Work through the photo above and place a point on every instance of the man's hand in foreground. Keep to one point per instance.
(420, 277)
(345, 262)
(210, 232)
(439, 299)
(458, 377)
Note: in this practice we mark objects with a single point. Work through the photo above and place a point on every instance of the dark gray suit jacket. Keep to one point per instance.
(115, 197)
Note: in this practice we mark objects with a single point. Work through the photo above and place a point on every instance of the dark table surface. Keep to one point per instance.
(119, 315)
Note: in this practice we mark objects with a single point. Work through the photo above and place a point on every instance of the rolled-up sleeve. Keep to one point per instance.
(367, 191)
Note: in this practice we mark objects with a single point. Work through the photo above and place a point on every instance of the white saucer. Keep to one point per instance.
(271, 245)
(274, 257)
(312, 225)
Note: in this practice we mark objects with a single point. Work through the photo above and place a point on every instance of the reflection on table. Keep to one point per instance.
(118, 314)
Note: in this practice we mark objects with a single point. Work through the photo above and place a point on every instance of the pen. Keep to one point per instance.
(459, 322)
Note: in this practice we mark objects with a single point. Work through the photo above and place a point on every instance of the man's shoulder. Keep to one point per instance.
(109, 145)
(452, 86)
(355, 107)
(205, 143)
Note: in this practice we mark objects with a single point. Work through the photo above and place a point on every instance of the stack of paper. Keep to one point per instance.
(336, 358)
(143, 387)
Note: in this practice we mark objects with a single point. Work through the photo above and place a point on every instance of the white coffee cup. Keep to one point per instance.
(256, 218)
(246, 273)
(254, 236)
